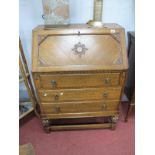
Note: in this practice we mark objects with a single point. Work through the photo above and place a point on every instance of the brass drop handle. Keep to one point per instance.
(105, 94)
(107, 81)
(53, 83)
(56, 97)
(104, 107)
(57, 109)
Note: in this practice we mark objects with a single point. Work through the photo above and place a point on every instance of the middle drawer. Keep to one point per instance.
(110, 93)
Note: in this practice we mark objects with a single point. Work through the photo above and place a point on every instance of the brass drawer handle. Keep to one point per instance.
(54, 84)
(56, 97)
(104, 107)
(57, 109)
(107, 81)
(105, 94)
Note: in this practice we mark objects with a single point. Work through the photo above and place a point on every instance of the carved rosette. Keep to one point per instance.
(79, 49)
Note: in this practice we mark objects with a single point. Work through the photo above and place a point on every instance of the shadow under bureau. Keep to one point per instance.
(79, 72)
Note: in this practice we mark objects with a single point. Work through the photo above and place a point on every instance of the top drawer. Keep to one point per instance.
(55, 81)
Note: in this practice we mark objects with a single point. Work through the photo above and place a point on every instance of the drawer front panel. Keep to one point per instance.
(78, 107)
(80, 94)
(78, 80)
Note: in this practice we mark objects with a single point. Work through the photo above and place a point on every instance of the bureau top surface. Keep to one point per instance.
(79, 48)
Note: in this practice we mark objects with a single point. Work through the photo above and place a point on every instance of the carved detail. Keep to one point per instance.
(47, 129)
(113, 126)
(114, 119)
(41, 39)
(118, 61)
(79, 49)
(45, 123)
(116, 36)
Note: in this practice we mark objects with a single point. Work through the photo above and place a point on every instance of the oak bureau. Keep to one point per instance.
(79, 72)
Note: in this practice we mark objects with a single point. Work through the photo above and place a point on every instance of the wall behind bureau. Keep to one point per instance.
(115, 11)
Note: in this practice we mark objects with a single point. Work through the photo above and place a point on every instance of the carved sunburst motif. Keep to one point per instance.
(79, 49)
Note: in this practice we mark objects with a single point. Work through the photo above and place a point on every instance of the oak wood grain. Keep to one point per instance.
(87, 106)
(78, 80)
(55, 53)
(73, 85)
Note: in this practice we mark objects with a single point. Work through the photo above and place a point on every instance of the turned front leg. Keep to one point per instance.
(46, 125)
(114, 120)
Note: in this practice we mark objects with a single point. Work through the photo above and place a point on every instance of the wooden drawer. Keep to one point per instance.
(80, 94)
(48, 81)
(79, 107)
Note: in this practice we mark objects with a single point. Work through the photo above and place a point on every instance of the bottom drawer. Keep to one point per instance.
(78, 107)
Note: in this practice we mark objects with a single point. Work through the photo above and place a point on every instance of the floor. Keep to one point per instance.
(84, 142)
